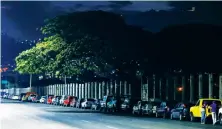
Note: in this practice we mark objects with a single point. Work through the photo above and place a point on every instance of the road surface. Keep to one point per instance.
(19, 115)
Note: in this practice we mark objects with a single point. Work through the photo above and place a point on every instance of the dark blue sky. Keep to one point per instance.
(21, 19)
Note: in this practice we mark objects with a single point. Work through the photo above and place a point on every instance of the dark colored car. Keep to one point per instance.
(96, 105)
(181, 111)
(164, 109)
(55, 100)
(68, 100)
(74, 102)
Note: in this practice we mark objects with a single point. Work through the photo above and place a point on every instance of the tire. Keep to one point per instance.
(180, 117)
(192, 118)
(171, 116)
(157, 115)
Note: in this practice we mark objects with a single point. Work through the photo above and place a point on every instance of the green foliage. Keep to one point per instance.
(84, 41)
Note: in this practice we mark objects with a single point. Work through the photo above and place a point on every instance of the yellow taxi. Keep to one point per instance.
(195, 111)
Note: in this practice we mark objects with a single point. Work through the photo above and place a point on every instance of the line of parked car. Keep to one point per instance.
(124, 103)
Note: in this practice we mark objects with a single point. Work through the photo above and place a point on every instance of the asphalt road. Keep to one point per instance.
(19, 115)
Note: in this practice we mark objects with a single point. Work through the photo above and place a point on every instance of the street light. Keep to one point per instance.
(180, 89)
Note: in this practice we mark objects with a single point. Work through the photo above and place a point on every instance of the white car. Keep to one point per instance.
(88, 103)
(61, 101)
(43, 99)
(15, 97)
(220, 115)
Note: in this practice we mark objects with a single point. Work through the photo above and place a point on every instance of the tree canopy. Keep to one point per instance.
(101, 43)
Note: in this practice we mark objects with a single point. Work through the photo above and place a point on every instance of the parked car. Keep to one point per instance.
(78, 104)
(149, 108)
(15, 97)
(155, 102)
(55, 100)
(137, 108)
(164, 109)
(31, 96)
(88, 103)
(96, 105)
(21, 95)
(195, 110)
(74, 101)
(220, 115)
(43, 99)
(181, 111)
(61, 101)
(5, 96)
(49, 99)
(67, 100)
(36, 99)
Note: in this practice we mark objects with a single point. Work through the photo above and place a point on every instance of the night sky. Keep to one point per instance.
(22, 19)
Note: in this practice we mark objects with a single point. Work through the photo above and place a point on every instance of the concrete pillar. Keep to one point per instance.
(115, 88)
(83, 91)
(200, 79)
(175, 83)
(154, 86)
(88, 90)
(191, 88)
(100, 90)
(220, 86)
(120, 87)
(130, 93)
(103, 88)
(74, 89)
(68, 89)
(111, 88)
(167, 89)
(77, 90)
(96, 88)
(125, 88)
(183, 88)
(160, 88)
(92, 90)
(210, 81)
(107, 88)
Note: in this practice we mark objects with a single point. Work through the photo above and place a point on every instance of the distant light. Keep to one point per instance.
(192, 9)
(180, 89)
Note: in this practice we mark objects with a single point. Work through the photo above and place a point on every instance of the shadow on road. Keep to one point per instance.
(10, 102)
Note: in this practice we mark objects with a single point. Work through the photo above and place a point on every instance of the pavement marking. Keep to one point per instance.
(86, 121)
(111, 127)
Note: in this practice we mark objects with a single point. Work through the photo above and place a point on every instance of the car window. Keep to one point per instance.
(209, 102)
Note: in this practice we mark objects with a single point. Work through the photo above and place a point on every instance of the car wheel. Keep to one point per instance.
(192, 117)
(157, 115)
(164, 115)
(171, 116)
(220, 119)
(181, 117)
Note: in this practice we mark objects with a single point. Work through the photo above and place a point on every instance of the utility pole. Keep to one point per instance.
(30, 82)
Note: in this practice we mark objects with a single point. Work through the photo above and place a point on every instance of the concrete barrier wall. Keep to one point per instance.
(83, 90)
(16, 91)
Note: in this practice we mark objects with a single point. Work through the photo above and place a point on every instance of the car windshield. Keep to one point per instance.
(32, 95)
(43, 97)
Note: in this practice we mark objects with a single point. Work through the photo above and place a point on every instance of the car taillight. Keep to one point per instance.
(184, 105)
